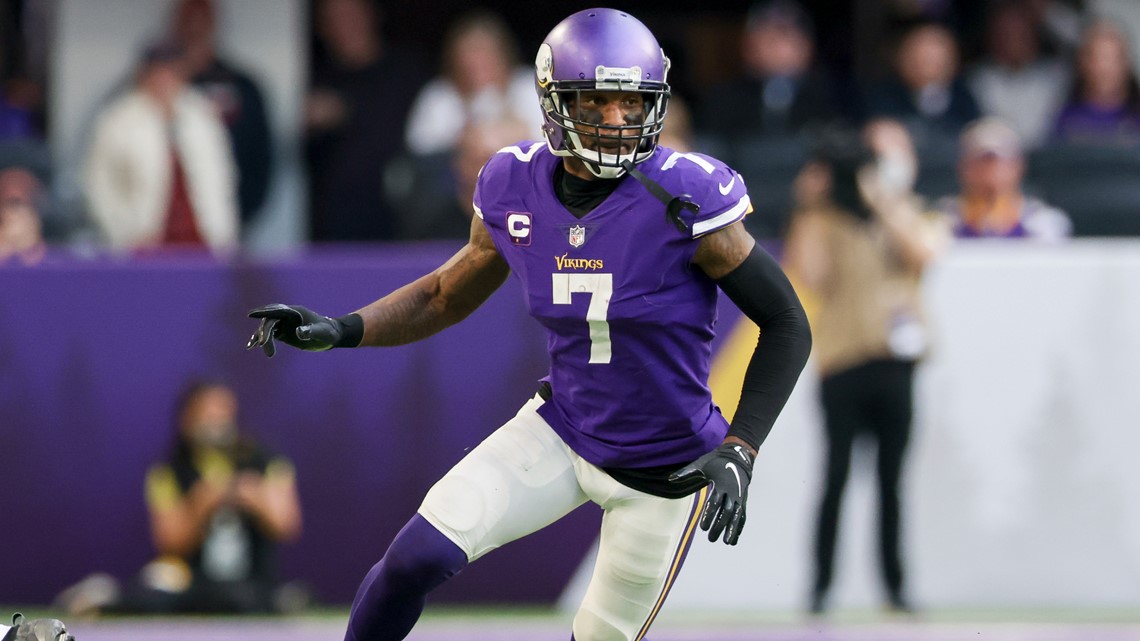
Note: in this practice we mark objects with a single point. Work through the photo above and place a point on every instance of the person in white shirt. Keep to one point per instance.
(1015, 82)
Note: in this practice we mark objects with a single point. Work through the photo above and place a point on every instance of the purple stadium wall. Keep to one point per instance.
(92, 356)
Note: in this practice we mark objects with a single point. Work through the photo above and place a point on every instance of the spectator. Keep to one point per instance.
(21, 238)
(32, 157)
(1104, 105)
(476, 145)
(927, 93)
(860, 247)
(159, 172)
(991, 202)
(355, 114)
(236, 97)
(779, 90)
(436, 194)
(219, 503)
(481, 82)
(1016, 82)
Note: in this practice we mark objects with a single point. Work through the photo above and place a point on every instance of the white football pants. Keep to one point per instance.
(523, 477)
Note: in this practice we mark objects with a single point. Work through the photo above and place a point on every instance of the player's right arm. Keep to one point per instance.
(415, 311)
(440, 299)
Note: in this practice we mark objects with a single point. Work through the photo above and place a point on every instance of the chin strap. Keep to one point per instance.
(673, 204)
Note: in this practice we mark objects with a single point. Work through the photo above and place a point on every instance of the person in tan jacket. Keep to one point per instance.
(857, 245)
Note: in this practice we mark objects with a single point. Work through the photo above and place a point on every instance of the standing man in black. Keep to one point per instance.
(355, 114)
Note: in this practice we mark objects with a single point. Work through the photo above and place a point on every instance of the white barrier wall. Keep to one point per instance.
(1022, 488)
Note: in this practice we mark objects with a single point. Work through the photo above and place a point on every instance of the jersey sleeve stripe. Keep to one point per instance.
(478, 212)
(733, 214)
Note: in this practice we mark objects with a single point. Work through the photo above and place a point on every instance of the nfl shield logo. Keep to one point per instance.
(577, 235)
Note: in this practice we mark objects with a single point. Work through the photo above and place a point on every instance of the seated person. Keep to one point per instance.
(219, 505)
(991, 202)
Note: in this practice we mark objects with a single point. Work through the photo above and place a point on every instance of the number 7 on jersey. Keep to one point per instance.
(600, 287)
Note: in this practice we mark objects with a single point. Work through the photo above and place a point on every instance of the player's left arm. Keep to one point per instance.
(753, 280)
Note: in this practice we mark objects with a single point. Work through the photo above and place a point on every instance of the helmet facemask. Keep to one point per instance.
(574, 132)
(603, 148)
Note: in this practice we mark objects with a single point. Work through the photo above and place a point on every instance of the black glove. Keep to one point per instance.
(304, 329)
(728, 469)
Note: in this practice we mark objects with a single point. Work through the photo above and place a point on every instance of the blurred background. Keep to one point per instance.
(167, 165)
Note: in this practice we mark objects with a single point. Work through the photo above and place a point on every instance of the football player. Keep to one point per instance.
(620, 246)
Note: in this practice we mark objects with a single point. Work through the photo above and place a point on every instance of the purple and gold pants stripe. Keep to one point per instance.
(678, 558)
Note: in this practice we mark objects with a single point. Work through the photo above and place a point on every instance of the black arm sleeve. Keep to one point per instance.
(762, 291)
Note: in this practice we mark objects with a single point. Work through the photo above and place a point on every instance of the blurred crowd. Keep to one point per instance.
(1024, 117)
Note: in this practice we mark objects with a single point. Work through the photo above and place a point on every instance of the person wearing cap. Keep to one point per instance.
(160, 171)
(991, 203)
(779, 90)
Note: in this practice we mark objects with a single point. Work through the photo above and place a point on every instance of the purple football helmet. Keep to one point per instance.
(601, 50)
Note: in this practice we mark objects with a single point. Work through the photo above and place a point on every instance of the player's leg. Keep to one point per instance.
(517, 481)
(840, 396)
(892, 426)
(643, 544)
(393, 593)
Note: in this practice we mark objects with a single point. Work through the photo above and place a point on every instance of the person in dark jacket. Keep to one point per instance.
(237, 98)
(780, 90)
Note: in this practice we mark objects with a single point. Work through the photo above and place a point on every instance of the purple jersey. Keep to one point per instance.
(629, 321)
